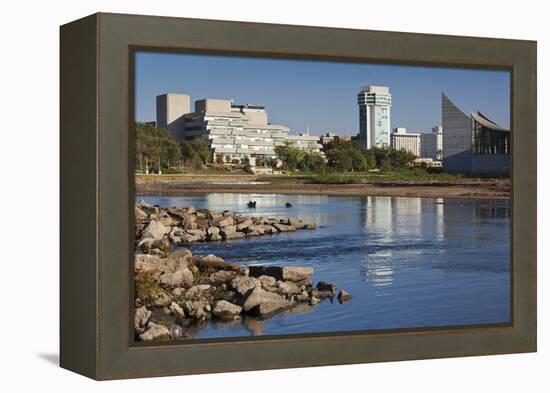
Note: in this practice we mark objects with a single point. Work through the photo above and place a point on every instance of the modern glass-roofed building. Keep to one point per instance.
(233, 131)
(473, 144)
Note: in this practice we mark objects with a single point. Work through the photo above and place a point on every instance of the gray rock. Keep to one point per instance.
(213, 233)
(225, 310)
(155, 230)
(140, 215)
(268, 281)
(180, 259)
(144, 205)
(224, 221)
(303, 296)
(288, 273)
(199, 233)
(314, 300)
(179, 278)
(264, 303)
(196, 309)
(314, 292)
(149, 263)
(296, 223)
(243, 284)
(178, 291)
(311, 225)
(145, 245)
(197, 291)
(212, 215)
(189, 238)
(177, 310)
(213, 262)
(230, 232)
(284, 228)
(326, 286)
(141, 318)
(344, 296)
(155, 332)
(288, 288)
(243, 226)
(297, 273)
(162, 300)
(222, 277)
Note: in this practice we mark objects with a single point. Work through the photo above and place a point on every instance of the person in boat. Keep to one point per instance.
(288, 204)
(251, 204)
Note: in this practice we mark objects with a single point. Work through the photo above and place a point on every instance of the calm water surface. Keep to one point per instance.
(408, 262)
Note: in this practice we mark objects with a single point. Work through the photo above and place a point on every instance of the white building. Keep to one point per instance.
(431, 144)
(374, 116)
(233, 131)
(402, 140)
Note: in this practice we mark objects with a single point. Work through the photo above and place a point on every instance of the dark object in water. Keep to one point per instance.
(251, 204)
(288, 204)
(344, 296)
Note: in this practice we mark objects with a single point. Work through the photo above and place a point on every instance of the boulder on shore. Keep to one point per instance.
(155, 230)
(155, 332)
(182, 277)
(286, 273)
(141, 318)
(326, 286)
(263, 303)
(226, 310)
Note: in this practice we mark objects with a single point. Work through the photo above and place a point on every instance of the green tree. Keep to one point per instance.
(187, 151)
(386, 166)
(290, 156)
(202, 149)
(156, 146)
(312, 162)
(359, 161)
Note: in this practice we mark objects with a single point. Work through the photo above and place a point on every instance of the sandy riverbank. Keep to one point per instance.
(464, 188)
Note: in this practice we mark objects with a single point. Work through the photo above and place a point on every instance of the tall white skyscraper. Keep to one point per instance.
(374, 116)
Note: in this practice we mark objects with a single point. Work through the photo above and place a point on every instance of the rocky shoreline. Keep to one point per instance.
(159, 229)
(176, 291)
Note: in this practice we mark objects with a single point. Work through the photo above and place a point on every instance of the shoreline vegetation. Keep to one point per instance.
(177, 292)
(408, 183)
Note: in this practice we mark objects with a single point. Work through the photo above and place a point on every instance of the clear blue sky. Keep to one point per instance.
(319, 93)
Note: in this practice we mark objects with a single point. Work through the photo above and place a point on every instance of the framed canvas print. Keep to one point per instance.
(241, 196)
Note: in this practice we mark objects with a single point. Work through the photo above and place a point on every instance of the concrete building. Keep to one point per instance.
(233, 131)
(403, 140)
(171, 109)
(329, 137)
(374, 116)
(473, 144)
(431, 144)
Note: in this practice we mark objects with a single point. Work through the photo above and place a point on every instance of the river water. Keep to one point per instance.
(408, 262)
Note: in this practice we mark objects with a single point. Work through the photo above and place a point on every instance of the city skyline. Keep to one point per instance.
(319, 94)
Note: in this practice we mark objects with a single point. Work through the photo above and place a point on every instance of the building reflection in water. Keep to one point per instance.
(493, 208)
(397, 222)
(413, 224)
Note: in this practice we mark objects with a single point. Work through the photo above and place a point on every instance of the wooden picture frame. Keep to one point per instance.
(97, 195)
